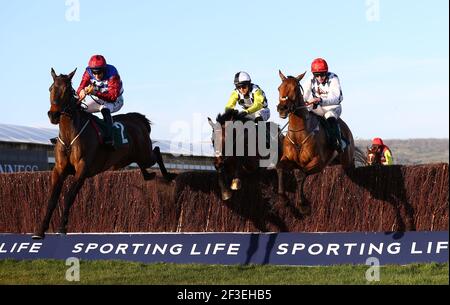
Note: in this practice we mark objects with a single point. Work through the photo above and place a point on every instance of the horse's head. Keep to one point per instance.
(61, 96)
(291, 97)
(373, 155)
(219, 126)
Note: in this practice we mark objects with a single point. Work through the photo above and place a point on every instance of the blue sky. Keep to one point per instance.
(177, 59)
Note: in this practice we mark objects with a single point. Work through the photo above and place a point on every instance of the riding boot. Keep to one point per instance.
(336, 134)
(268, 135)
(109, 139)
(259, 121)
(54, 140)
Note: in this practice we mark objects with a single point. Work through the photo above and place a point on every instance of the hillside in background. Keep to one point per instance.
(415, 151)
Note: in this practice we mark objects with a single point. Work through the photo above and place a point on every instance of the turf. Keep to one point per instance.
(118, 272)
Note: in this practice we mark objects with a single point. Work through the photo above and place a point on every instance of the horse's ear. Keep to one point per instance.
(300, 77)
(210, 122)
(53, 74)
(283, 78)
(72, 74)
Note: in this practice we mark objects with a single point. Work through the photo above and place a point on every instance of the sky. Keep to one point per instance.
(177, 59)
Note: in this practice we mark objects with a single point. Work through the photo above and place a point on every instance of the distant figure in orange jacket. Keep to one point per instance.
(385, 153)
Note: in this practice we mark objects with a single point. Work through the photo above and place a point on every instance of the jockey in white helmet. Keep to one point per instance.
(250, 97)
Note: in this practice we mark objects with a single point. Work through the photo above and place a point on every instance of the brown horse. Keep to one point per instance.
(80, 153)
(303, 148)
(373, 156)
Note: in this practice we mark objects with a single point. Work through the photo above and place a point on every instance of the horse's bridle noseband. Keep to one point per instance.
(293, 107)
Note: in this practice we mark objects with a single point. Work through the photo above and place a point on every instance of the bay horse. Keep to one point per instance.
(373, 156)
(79, 152)
(232, 166)
(305, 149)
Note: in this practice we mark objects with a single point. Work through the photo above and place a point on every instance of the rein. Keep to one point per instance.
(68, 148)
(68, 111)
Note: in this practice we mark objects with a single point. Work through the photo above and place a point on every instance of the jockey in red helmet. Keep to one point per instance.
(386, 154)
(102, 82)
(323, 96)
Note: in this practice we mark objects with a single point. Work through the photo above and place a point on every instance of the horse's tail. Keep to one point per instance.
(360, 157)
(137, 117)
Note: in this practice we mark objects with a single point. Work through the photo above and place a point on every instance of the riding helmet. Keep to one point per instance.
(319, 65)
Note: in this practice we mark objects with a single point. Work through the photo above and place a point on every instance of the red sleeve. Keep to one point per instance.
(85, 81)
(114, 86)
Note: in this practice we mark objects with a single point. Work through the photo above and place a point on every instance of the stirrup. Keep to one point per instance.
(341, 146)
(108, 142)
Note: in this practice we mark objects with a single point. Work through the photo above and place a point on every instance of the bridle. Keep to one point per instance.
(69, 110)
(292, 109)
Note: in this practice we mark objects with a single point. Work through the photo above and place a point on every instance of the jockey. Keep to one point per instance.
(102, 82)
(386, 154)
(323, 96)
(250, 97)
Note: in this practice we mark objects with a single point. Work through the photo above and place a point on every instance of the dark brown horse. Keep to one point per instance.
(306, 149)
(79, 152)
(230, 167)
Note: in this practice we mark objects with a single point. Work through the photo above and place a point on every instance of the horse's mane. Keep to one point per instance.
(231, 115)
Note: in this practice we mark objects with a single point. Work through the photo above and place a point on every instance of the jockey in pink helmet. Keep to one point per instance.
(103, 84)
(323, 96)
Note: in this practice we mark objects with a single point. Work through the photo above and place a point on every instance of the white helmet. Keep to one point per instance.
(242, 78)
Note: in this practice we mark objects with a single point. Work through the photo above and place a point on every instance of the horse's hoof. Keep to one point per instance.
(236, 185)
(149, 176)
(62, 231)
(170, 177)
(38, 236)
(305, 210)
(227, 196)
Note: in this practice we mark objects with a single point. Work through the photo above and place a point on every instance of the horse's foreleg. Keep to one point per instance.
(304, 208)
(80, 177)
(224, 190)
(236, 184)
(280, 174)
(57, 183)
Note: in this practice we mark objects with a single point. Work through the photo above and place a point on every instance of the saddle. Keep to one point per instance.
(120, 132)
(314, 123)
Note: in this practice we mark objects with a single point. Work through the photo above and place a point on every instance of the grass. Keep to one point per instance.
(118, 272)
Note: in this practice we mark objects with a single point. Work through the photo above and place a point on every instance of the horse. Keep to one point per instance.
(79, 151)
(373, 156)
(304, 148)
(231, 166)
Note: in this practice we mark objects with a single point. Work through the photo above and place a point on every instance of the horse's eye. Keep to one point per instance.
(50, 89)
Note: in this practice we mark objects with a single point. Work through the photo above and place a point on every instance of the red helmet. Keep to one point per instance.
(319, 65)
(377, 141)
(97, 62)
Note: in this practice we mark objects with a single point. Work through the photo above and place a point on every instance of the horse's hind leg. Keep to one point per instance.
(147, 176)
(158, 158)
(57, 183)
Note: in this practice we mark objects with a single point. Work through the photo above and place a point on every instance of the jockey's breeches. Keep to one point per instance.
(94, 104)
